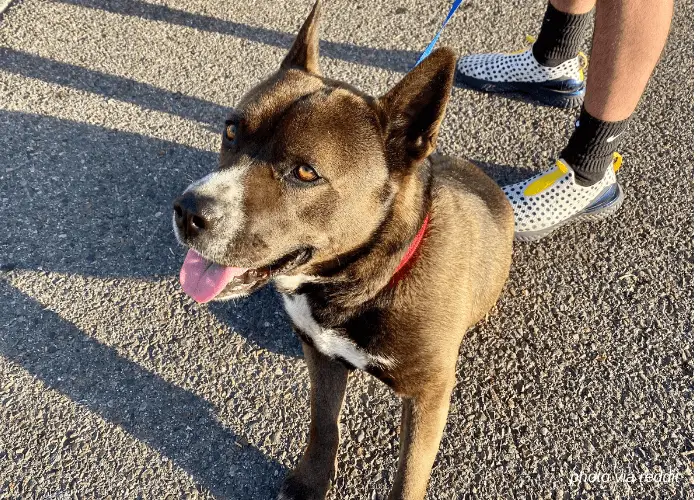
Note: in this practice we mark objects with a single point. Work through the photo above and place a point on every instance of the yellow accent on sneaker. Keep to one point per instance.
(584, 59)
(547, 180)
(517, 52)
(584, 64)
(529, 39)
(617, 161)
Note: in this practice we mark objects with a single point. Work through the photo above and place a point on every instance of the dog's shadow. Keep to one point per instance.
(261, 319)
(504, 174)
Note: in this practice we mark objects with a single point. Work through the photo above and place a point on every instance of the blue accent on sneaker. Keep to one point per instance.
(606, 204)
(560, 93)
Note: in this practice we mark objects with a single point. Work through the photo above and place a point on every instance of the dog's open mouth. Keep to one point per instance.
(204, 280)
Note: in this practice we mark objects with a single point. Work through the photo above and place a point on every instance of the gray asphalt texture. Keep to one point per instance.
(114, 384)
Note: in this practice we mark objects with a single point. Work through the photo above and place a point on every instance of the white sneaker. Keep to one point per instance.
(549, 200)
(519, 72)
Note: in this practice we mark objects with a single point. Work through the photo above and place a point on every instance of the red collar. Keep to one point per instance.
(407, 258)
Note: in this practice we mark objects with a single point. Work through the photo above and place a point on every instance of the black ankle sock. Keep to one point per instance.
(591, 146)
(561, 36)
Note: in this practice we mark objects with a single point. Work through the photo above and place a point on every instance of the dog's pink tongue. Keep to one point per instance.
(202, 279)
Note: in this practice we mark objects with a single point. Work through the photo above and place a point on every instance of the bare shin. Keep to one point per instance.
(627, 43)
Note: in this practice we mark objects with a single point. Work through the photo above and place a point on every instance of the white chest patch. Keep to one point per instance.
(329, 341)
(291, 283)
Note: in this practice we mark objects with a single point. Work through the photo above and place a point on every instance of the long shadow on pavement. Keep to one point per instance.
(395, 60)
(120, 88)
(150, 97)
(503, 174)
(92, 201)
(173, 421)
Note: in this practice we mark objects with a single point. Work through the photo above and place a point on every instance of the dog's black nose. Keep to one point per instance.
(188, 215)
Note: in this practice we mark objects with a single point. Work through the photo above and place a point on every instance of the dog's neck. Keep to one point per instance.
(353, 279)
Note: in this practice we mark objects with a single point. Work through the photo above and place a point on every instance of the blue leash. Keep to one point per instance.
(431, 46)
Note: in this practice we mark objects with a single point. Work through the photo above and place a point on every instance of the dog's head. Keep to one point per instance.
(308, 170)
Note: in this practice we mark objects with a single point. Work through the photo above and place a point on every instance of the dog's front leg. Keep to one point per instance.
(422, 422)
(313, 475)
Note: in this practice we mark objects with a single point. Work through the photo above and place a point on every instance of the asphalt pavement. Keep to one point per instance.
(114, 384)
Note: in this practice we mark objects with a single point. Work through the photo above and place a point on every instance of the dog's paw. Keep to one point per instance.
(295, 488)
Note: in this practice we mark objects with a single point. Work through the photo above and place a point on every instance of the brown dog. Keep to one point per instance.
(384, 255)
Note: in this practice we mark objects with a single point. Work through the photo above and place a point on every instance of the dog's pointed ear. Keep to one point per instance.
(416, 106)
(304, 52)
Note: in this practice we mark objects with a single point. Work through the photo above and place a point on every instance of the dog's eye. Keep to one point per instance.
(305, 173)
(230, 132)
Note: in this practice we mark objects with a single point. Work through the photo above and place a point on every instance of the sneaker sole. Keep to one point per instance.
(606, 204)
(550, 97)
